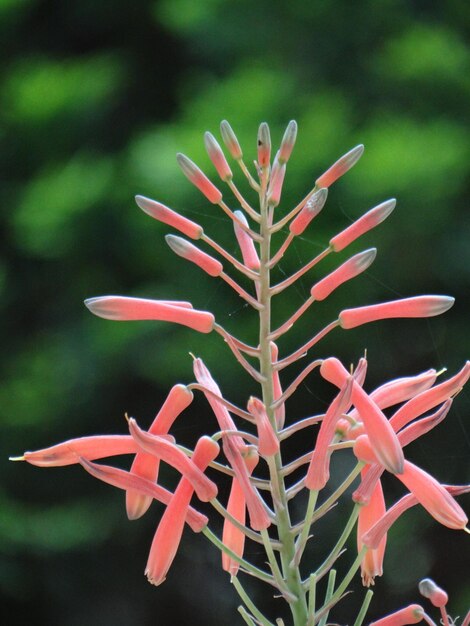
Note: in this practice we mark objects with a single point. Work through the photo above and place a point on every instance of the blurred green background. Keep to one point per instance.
(96, 98)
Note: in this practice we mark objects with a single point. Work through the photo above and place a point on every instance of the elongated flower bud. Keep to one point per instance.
(146, 465)
(342, 165)
(264, 145)
(350, 269)
(369, 514)
(125, 480)
(163, 214)
(288, 142)
(411, 614)
(367, 222)
(275, 186)
(169, 453)
(190, 252)
(199, 179)
(170, 529)
(419, 306)
(435, 594)
(246, 243)
(311, 209)
(268, 442)
(382, 437)
(217, 157)
(280, 412)
(230, 140)
(121, 308)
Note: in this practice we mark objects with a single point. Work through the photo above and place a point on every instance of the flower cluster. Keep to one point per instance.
(259, 507)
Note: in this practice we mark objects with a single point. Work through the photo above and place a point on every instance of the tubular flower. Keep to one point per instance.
(369, 514)
(411, 614)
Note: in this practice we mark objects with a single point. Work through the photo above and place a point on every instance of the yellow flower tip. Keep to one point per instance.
(126, 417)
(194, 358)
(16, 458)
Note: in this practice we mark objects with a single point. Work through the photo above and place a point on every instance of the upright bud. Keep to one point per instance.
(311, 209)
(264, 145)
(342, 165)
(288, 142)
(199, 179)
(188, 251)
(217, 157)
(366, 222)
(275, 187)
(268, 442)
(350, 269)
(230, 140)
(430, 590)
(163, 214)
(246, 243)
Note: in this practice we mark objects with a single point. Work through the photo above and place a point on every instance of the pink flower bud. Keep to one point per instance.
(163, 214)
(268, 443)
(430, 590)
(367, 222)
(230, 140)
(217, 157)
(411, 614)
(120, 308)
(350, 269)
(199, 179)
(264, 145)
(280, 412)
(288, 142)
(419, 306)
(342, 165)
(190, 252)
(246, 243)
(275, 186)
(369, 514)
(382, 437)
(311, 209)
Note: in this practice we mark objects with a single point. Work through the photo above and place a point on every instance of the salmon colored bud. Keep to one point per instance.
(311, 209)
(350, 269)
(275, 187)
(435, 594)
(280, 412)
(230, 140)
(411, 614)
(246, 243)
(163, 214)
(367, 222)
(369, 514)
(383, 439)
(146, 465)
(264, 145)
(69, 452)
(363, 450)
(217, 157)
(199, 179)
(288, 142)
(268, 442)
(419, 306)
(168, 536)
(190, 252)
(120, 308)
(342, 165)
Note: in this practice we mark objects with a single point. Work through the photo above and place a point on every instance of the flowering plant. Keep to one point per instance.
(247, 446)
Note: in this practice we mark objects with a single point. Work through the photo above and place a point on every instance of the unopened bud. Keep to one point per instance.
(435, 594)
(199, 179)
(311, 209)
(188, 251)
(342, 165)
(275, 187)
(288, 142)
(217, 157)
(246, 243)
(163, 214)
(350, 269)
(366, 222)
(264, 145)
(230, 140)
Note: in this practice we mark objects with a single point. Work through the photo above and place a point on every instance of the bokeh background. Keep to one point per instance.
(96, 98)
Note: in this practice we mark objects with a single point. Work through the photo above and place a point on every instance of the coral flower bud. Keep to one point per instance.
(419, 306)
(199, 179)
(369, 514)
(268, 441)
(275, 186)
(230, 140)
(311, 209)
(163, 214)
(190, 252)
(367, 222)
(430, 590)
(411, 614)
(264, 145)
(217, 157)
(382, 437)
(342, 165)
(146, 465)
(246, 243)
(121, 308)
(288, 142)
(350, 269)
(170, 529)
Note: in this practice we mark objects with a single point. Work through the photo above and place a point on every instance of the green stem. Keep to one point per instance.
(328, 595)
(365, 605)
(249, 603)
